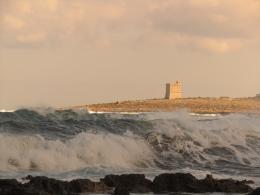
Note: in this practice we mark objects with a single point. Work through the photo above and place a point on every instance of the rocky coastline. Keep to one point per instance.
(167, 183)
(199, 105)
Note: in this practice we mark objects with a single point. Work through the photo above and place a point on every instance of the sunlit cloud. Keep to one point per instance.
(24, 7)
(13, 23)
(31, 37)
(51, 4)
(219, 46)
(193, 43)
(207, 25)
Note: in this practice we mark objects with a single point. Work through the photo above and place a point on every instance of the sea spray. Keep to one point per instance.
(210, 139)
(84, 150)
(79, 144)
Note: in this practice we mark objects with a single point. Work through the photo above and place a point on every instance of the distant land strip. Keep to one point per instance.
(195, 105)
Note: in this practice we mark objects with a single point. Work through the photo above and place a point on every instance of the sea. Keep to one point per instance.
(70, 144)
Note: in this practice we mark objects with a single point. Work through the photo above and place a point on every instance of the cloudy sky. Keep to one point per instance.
(71, 52)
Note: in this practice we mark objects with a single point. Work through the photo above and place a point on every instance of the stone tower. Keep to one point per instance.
(173, 91)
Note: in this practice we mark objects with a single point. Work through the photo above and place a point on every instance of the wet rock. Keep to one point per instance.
(136, 183)
(178, 182)
(86, 185)
(13, 187)
(248, 181)
(54, 186)
(255, 192)
(24, 191)
(181, 182)
(49, 185)
(120, 191)
(8, 183)
(209, 184)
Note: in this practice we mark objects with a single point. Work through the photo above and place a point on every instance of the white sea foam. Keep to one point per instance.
(150, 141)
(85, 150)
(194, 135)
(4, 110)
(103, 112)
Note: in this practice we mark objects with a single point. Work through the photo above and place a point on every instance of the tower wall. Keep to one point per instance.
(173, 91)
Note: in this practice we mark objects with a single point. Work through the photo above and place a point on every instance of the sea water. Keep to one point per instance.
(77, 144)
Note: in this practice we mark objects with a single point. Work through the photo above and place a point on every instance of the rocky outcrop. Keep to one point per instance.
(178, 182)
(48, 186)
(209, 184)
(125, 184)
(195, 105)
(255, 192)
(121, 191)
(181, 182)
(136, 183)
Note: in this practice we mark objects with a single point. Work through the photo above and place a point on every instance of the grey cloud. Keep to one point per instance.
(130, 23)
(205, 21)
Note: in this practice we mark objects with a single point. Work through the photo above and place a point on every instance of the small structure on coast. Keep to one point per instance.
(173, 90)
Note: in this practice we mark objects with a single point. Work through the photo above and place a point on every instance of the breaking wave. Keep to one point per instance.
(61, 141)
(84, 150)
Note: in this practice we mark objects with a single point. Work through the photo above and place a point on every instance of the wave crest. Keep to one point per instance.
(84, 150)
(70, 140)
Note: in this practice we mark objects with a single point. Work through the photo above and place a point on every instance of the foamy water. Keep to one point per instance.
(77, 144)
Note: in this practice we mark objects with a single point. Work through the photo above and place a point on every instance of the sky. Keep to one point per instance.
(72, 52)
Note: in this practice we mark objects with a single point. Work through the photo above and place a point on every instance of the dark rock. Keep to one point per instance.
(13, 187)
(86, 185)
(7, 183)
(181, 182)
(248, 181)
(23, 191)
(120, 191)
(255, 192)
(178, 182)
(54, 186)
(49, 185)
(136, 183)
(124, 184)
(28, 177)
(209, 184)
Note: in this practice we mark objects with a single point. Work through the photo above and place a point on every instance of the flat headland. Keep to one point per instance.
(196, 105)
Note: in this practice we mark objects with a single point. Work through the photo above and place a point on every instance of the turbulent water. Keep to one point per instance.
(77, 144)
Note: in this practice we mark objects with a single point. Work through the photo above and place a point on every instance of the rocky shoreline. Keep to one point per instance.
(166, 183)
(199, 105)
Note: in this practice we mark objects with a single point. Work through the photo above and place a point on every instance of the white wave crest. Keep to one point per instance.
(84, 150)
(4, 110)
(233, 137)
